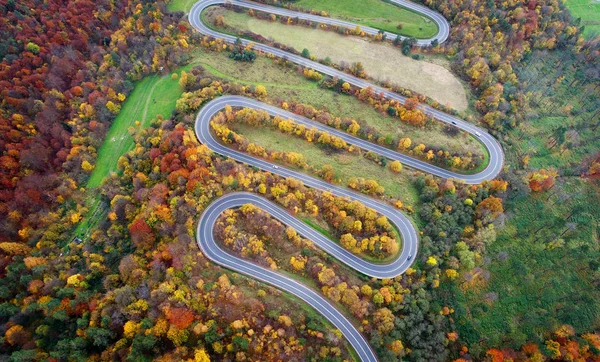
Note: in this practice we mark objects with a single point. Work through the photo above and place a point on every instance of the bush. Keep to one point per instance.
(243, 55)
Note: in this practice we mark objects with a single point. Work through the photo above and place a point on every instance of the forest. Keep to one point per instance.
(99, 263)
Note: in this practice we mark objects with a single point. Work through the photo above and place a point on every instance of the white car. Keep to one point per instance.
(275, 166)
(477, 134)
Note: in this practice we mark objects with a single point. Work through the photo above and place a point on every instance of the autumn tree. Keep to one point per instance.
(141, 234)
(542, 180)
(383, 319)
(260, 91)
(490, 206)
(396, 166)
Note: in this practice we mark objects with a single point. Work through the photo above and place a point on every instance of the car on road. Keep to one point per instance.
(454, 123)
(275, 166)
(409, 257)
(477, 134)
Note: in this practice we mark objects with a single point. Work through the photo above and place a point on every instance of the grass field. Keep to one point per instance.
(345, 165)
(151, 96)
(281, 84)
(285, 84)
(376, 14)
(181, 5)
(373, 13)
(589, 12)
(431, 78)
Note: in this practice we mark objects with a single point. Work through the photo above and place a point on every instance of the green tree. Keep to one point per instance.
(32, 47)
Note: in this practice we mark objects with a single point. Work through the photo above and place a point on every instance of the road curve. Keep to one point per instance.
(441, 22)
(491, 144)
(407, 230)
(204, 234)
(212, 251)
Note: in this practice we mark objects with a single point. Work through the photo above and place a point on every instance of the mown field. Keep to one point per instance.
(382, 61)
(376, 14)
(181, 5)
(154, 95)
(589, 12)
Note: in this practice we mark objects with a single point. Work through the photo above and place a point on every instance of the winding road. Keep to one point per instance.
(204, 234)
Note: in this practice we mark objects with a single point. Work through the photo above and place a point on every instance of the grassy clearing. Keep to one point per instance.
(262, 71)
(152, 96)
(345, 165)
(376, 14)
(432, 77)
(285, 84)
(589, 12)
(181, 5)
(281, 84)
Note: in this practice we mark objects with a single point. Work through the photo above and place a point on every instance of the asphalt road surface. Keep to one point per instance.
(204, 234)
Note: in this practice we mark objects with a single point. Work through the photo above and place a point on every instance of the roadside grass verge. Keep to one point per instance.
(376, 14)
(313, 224)
(431, 76)
(484, 163)
(396, 234)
